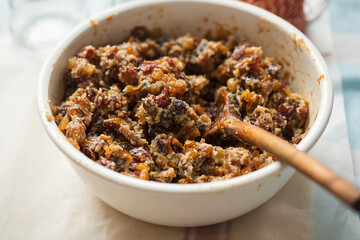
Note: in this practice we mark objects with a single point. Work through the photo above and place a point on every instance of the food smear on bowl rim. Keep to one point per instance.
(140, 108)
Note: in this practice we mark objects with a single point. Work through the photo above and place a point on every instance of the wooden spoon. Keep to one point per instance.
(227, 124)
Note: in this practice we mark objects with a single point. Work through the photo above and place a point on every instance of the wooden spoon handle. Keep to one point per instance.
(300, 160)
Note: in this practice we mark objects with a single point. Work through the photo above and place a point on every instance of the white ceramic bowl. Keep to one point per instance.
(192, 204)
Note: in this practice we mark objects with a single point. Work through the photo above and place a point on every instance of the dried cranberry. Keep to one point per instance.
(139, 32)
(171, 62)
(89, 153)
(87, 52)
(163, 100)
(238, 53)
(139, 155)
(179, 106)
(128, 74)
(147, 67)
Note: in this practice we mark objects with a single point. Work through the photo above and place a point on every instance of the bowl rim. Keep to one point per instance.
(80, 159)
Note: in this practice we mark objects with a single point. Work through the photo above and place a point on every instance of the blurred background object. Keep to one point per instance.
(297, 12)
(39, 24)
(313, 9)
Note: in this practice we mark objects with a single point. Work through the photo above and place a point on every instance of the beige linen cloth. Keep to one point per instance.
(42, 198)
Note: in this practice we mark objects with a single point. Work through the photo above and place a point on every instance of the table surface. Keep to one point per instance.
(338, 43)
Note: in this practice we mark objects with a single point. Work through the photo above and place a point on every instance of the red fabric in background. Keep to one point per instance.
(290, 10)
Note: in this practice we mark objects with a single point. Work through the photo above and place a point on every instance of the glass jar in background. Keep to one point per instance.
(313, 9)
(39, 24)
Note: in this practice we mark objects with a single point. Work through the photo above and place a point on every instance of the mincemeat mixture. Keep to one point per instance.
(141, 107)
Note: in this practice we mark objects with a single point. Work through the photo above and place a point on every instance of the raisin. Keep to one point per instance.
(177, 148)
(139, 32)
(287, 133)
(161, 145)
(62, 110)
(153, 131)
(126, 146)
(98, 126)
(110, 126)
(166, 120)
(89, 153)
(119, 162)
(179, 106)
